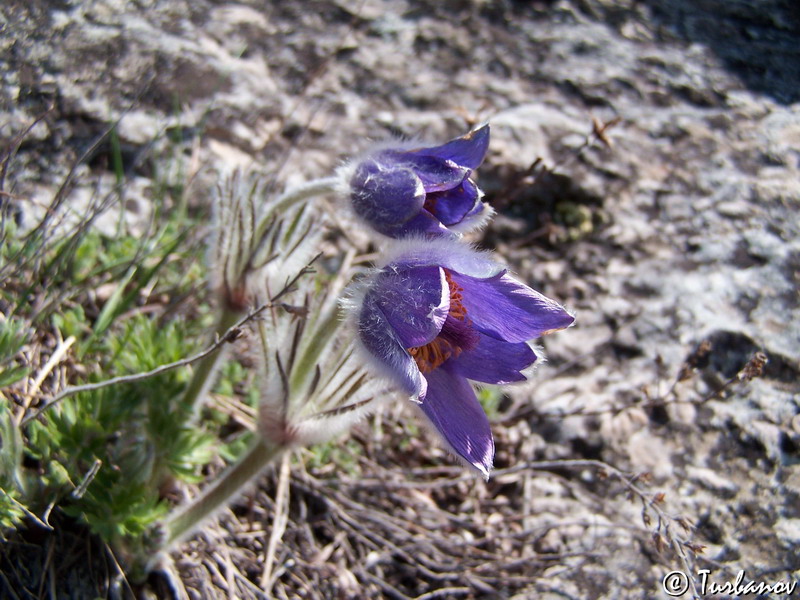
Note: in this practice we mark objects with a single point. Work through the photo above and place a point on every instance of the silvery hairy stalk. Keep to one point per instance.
(256, 245)
(312, 386)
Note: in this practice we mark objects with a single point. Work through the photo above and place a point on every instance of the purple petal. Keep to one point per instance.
(494, 361)
(382, 343)
(452, 408)
(386, 198)
(435, 173)
(459, 333)
(424, 222)
(509, 310)
(477, 216)
(477, 209)
(451, 206)
(415, 302)
(468, 150)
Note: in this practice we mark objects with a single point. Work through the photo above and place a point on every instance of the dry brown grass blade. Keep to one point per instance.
(279, 522)
(32, 391)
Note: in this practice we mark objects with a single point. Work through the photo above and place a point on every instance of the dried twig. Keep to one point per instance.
(54, 359)
(229, 336)
(279, 522)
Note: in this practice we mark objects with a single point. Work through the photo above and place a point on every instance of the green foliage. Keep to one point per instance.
(115, 515)
(11, 512)
(344, 453)
(232, 377)
(137, 433)
(13, 336)
(102, 456)
(108, 455)
(130, 285)
(72, 322)
(99, 255)
(235, 449)
(232, 374)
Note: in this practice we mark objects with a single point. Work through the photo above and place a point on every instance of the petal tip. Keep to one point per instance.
(478, 135)
(485, 466)
(568, 320)
(468, 151)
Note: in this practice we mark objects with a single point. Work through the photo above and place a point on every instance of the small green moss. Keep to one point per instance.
(578, 220)
(344, 453)
(490, 398)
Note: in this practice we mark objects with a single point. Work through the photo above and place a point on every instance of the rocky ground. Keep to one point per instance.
(662, 210)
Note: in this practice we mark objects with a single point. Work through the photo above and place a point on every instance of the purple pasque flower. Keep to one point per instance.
(439, 314)
(404, 189)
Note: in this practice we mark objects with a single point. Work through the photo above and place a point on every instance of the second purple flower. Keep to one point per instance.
(440, 314)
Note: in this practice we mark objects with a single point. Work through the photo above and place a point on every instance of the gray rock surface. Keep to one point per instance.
(683, 229)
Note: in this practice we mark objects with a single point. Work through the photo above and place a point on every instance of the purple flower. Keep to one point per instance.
(439, 314)
(405, 190)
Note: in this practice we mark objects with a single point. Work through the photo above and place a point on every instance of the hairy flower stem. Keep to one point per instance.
(228, 486)
(292, 196)
(205, 371)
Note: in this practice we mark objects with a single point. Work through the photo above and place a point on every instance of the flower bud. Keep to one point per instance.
(405, 189)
